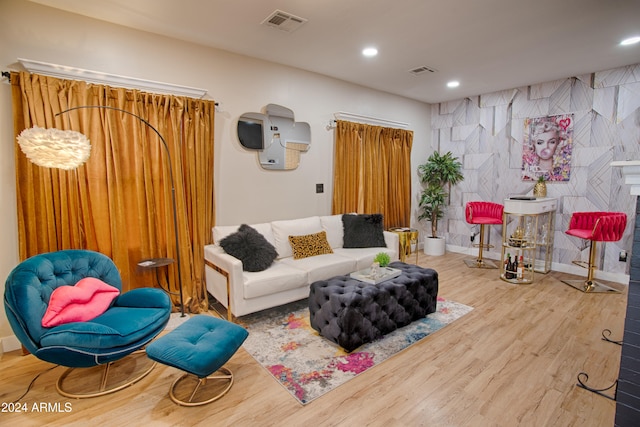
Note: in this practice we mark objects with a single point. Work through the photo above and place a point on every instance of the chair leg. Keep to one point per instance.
(590, 285)
(221, 381)
(83, 374)
(480, 262)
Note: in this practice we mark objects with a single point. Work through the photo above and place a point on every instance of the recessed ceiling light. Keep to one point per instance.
(453, 83)
(370, 51)
(630, 40)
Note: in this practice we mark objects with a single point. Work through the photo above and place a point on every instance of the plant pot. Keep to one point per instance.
(434, 246)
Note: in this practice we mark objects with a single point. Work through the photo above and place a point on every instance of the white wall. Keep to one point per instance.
(244, 192)
(8, 214)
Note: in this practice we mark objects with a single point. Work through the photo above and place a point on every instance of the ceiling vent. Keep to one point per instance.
(284, 21)
(421, 70)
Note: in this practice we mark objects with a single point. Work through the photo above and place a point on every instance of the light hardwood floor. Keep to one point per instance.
(512, 361)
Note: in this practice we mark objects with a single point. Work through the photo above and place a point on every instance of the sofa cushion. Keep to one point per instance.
(364, 256)
(310, 245)
(294, 227)
(280, 277)
(332, 224)
(323, 266)
(363, 231)
(250, 247)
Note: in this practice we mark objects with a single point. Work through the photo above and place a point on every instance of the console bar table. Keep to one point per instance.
(527, 234)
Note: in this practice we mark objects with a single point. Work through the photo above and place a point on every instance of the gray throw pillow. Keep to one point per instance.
(250, 247)
(363, 231)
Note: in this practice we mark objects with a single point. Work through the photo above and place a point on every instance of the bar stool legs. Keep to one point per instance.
(480, 262)
(482, 213)
(589, 285)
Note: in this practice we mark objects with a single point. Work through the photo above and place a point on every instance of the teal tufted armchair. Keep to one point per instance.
(132, 320)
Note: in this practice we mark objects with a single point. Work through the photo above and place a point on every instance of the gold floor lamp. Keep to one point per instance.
(68, 149)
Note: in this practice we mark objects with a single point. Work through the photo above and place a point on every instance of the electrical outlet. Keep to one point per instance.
(319, 188)
(623, 256)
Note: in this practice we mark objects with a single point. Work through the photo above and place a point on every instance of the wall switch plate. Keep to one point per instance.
(319, 188)
(623, 256)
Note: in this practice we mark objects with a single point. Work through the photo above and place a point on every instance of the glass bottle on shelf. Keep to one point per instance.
(508, 267)
(520, 269)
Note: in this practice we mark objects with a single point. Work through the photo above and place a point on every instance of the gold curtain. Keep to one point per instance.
(120, 202)
(372, 171)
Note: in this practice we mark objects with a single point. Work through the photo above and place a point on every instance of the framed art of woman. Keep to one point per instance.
(546, 150)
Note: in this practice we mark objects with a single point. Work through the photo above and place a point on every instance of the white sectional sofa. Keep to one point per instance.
(287, 279)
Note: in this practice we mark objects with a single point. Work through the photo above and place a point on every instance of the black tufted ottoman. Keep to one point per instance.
(351, 313)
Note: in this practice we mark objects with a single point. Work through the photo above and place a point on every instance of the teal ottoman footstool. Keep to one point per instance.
(200, 347)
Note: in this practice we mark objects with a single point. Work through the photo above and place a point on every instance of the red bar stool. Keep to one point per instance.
(483, 213)
(596, 227)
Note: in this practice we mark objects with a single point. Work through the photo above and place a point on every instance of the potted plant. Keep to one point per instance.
(438, 174)
(382, 258)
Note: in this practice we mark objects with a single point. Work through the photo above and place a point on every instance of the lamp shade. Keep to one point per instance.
(54, 148)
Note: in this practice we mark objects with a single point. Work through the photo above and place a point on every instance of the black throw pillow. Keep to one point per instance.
(250, 247)
(363, 231)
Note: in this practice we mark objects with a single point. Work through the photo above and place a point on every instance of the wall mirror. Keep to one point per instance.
(275, 135)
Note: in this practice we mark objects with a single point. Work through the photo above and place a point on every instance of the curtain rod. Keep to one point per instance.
(7, 75)
(342, 115)
(67, 72)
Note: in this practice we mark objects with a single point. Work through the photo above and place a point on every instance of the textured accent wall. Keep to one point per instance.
(486, 133)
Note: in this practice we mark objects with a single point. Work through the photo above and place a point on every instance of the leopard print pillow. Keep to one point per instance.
(310, 245)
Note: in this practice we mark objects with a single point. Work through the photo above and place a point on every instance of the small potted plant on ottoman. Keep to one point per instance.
(382, 258)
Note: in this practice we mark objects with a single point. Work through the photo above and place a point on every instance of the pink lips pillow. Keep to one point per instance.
(88, 299)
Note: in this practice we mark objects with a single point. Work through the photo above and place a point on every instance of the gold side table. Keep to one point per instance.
(407, 237)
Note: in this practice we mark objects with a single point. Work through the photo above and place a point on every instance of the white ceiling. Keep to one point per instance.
(488, 45)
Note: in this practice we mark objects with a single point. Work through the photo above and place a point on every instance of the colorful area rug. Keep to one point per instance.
(308, 365)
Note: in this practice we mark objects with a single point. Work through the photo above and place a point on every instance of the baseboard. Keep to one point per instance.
(620, 278)
(9, 343)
